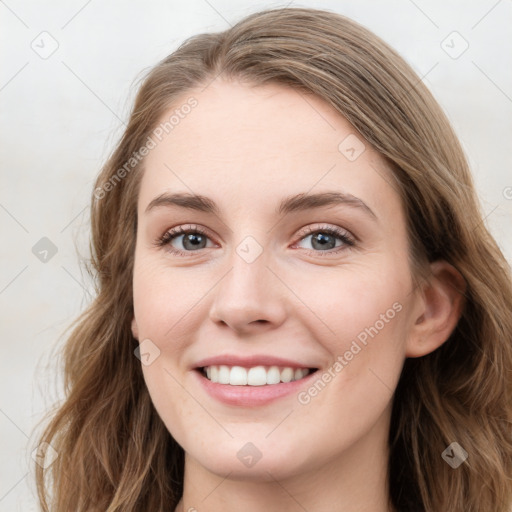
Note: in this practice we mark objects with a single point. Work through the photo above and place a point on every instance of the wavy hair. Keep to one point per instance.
(115, 454)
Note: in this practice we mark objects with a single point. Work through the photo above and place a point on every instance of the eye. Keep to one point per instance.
(323, 239)
(193, 239)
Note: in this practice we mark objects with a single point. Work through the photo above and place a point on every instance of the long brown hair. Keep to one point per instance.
(114, 452)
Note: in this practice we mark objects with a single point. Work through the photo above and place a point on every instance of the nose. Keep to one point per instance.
(250, 297)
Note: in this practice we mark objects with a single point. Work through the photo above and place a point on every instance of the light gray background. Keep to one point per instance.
(62, 114)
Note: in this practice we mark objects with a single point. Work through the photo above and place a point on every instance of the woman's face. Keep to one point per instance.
(266, 284)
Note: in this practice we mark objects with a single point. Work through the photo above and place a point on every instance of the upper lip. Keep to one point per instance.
(250, 361)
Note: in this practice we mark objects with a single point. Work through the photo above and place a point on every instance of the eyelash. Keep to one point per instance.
(168, 237)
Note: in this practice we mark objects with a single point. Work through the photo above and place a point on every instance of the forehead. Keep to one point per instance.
(250, 146)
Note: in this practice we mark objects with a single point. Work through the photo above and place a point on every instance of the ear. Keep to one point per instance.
(439, 305)
(135, 329)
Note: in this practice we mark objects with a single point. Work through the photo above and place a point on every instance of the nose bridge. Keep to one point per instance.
(249, 291)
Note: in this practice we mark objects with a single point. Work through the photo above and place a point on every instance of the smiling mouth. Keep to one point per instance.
(254, 376)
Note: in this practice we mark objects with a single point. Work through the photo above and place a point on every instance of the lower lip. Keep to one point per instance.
(251, 396)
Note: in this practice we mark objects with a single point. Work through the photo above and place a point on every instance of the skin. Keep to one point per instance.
(247, 148)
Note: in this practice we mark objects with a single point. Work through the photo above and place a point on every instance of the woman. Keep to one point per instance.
(299, 306)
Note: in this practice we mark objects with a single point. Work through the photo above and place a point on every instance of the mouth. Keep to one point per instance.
(253, 376)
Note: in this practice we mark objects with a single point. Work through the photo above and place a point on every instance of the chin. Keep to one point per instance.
(260, 460)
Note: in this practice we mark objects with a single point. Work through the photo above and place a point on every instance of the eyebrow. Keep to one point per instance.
(298, 202)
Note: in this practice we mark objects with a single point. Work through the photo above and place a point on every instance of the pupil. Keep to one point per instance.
(194, 239)
(323, 240)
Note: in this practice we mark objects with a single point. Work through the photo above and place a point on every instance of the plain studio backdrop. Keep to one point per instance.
(66, 86)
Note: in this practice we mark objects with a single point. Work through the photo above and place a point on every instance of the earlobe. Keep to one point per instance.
(135, 329)
(441, 301)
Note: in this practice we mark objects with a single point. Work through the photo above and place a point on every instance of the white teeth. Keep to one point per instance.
(273, 375)
(238, 376)
(255, 376)
(287, 374)
(223, 375)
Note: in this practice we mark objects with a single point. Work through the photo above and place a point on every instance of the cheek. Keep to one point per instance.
(357, 303)
(164, 300)
(361, 321)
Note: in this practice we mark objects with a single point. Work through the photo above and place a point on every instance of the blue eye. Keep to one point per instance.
(323, 240)
(193, 237)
